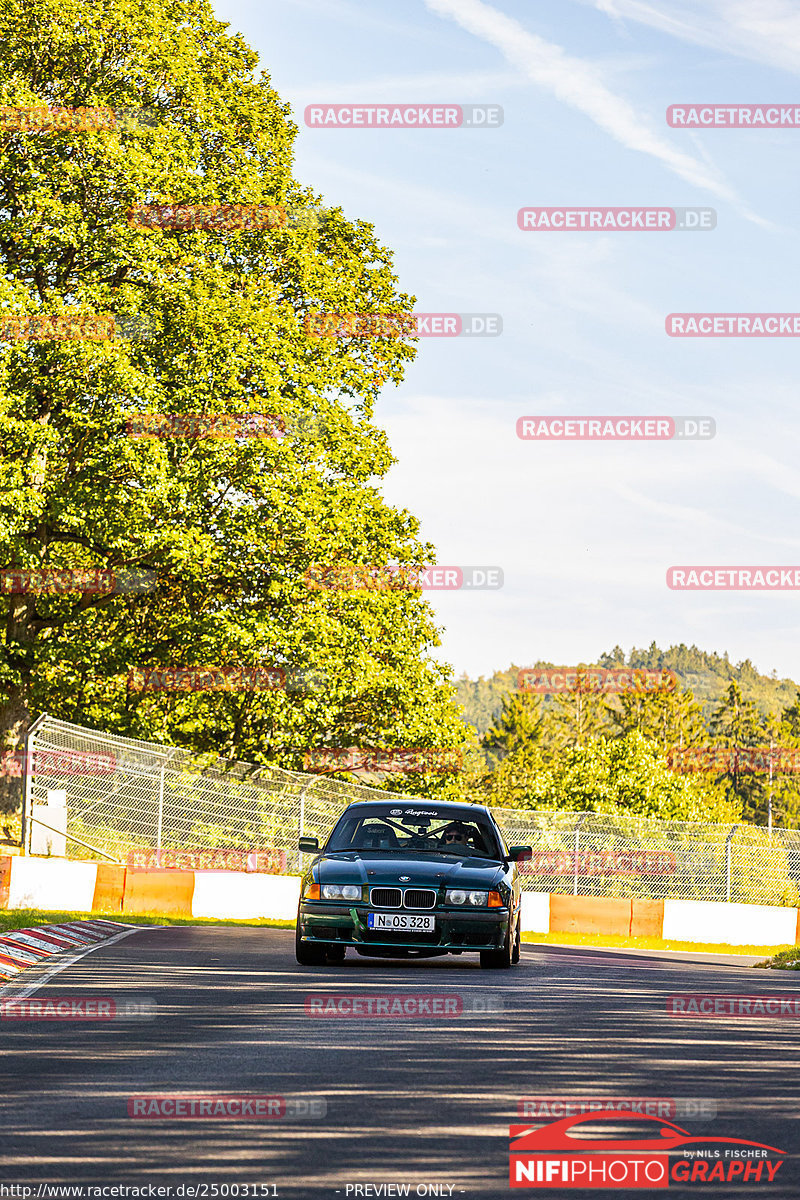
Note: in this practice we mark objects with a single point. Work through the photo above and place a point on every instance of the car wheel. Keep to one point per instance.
(516, 951)
(499, 960)
(308, 954)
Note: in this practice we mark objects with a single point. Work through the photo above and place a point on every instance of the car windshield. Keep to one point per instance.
(435, 833)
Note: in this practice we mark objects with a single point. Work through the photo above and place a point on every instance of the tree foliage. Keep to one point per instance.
(230, 527)
(525, 741)
(624, 775)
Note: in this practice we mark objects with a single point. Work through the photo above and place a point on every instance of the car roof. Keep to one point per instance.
(446, 807)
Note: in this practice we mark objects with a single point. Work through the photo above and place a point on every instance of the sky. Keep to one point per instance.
(584, 531)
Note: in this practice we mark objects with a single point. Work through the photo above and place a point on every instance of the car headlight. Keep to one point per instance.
(459, 897)
(337, 891)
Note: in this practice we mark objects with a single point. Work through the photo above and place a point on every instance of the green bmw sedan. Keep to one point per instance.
(416, 878)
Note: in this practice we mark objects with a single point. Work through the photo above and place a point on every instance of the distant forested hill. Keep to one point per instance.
(706, 675)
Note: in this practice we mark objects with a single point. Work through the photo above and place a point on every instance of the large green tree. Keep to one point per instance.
(736, 724)
(514, 749)
(624, 775)
(229, 527)
(671, 716)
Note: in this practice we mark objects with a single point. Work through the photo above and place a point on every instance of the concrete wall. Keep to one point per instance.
(58, 884)
(733, 924)
(52, 884)
(240, 895)
(535, 912)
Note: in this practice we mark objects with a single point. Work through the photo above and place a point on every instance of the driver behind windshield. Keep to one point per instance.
(384, 832)
(456, 835)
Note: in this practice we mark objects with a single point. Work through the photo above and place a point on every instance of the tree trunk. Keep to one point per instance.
(14, 722)
(14, 714)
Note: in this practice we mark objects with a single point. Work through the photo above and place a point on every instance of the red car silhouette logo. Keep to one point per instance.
(557, 1136)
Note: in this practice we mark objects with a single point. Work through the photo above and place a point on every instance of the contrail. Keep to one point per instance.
(578, 83)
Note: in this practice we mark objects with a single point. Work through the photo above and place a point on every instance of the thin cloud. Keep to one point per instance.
(398, 87)
(765, 31)
(579, 84)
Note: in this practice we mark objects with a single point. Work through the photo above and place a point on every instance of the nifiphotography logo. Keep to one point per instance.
(619, 1150)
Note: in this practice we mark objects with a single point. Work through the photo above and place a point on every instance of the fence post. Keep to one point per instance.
(728, 840)
(769, 799)
(160, 813)
(27, 785)
(577, 844)
(301, 816)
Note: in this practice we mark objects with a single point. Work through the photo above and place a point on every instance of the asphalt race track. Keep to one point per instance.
(418, 1100)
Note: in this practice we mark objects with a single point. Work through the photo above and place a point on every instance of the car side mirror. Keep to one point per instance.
(308, 845)
(520, 853)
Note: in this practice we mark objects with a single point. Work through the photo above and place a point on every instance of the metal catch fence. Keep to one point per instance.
(90, 793)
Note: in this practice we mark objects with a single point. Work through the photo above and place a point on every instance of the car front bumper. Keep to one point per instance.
(347, 925)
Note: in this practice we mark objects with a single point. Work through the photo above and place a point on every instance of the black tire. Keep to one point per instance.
(309, 954)
(500, 960)
(336, 953)
(516, 951)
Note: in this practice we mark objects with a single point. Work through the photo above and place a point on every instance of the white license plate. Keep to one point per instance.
(401, 921)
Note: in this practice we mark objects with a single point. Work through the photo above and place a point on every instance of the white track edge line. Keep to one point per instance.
(23, 993)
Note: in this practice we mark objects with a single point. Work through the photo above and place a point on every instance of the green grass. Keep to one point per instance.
(20, 918)
(619, 942)
(784, 960)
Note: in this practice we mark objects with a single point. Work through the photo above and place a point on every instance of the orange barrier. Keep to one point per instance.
(590, 914)
(647, 918)
(5, 879)
(109, 888)
(168, 892)
(607, 915)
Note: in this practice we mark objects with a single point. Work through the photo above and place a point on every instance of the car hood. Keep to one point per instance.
(428, 870)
